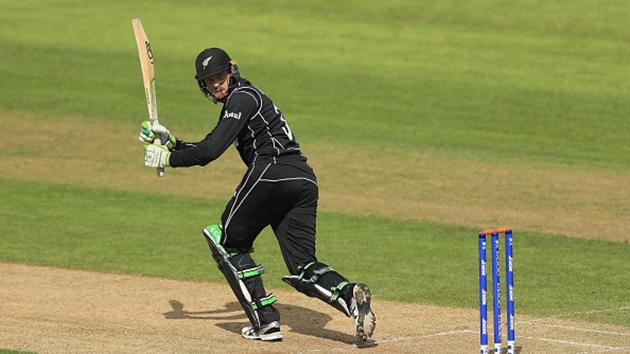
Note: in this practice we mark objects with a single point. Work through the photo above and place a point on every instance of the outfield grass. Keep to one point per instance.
(103, 230)
(488, 79)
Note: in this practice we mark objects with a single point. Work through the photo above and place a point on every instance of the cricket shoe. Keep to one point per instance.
(269, 332)
(364, 318)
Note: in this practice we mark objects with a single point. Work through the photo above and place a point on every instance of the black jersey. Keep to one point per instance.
(249, 120)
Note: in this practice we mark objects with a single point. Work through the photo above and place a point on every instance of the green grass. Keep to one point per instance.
(125, 232)
(490, 79)
(9, 351)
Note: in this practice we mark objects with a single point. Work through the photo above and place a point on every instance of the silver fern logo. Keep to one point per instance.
(206, 61)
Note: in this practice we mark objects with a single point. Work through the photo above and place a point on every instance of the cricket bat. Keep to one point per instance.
(148, 74)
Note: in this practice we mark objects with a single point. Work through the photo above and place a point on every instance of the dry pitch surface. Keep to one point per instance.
(51, 310)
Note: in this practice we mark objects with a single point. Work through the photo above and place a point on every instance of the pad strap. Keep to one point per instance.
(265, 301)
(251, 272)
(336, 290)
(318, 273)
(312, 277)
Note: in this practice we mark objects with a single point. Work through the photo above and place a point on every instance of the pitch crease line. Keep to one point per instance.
(394, 339)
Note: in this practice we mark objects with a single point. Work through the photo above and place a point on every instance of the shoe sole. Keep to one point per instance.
(366, 321)
(270, 337)
(273, 337)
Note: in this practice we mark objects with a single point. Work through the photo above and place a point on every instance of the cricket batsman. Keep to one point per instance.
(279, 189)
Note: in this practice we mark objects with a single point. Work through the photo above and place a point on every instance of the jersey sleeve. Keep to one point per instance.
(237, 111)
(180, 144)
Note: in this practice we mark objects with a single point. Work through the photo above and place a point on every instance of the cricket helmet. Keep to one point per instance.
(212, 61)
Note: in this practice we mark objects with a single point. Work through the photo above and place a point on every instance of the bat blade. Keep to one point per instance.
(145, 53)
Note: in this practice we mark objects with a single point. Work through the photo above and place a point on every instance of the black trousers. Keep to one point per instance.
(282, 193)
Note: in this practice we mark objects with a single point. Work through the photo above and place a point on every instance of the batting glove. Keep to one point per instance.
(149, 131)
(156, 155)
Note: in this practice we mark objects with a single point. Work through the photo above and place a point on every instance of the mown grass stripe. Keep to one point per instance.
(454, 80)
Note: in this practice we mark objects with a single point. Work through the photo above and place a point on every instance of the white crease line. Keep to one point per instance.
(603, 347)
(560, 341)
(394, 339)
(398, 339)
(577, 329)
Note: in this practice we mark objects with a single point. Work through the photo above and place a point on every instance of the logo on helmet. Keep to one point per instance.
(206, 61)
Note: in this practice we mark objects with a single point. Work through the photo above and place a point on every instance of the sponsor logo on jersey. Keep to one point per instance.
(232, 115)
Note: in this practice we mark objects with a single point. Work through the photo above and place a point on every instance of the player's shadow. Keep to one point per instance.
(301, 320)
(229, 312)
